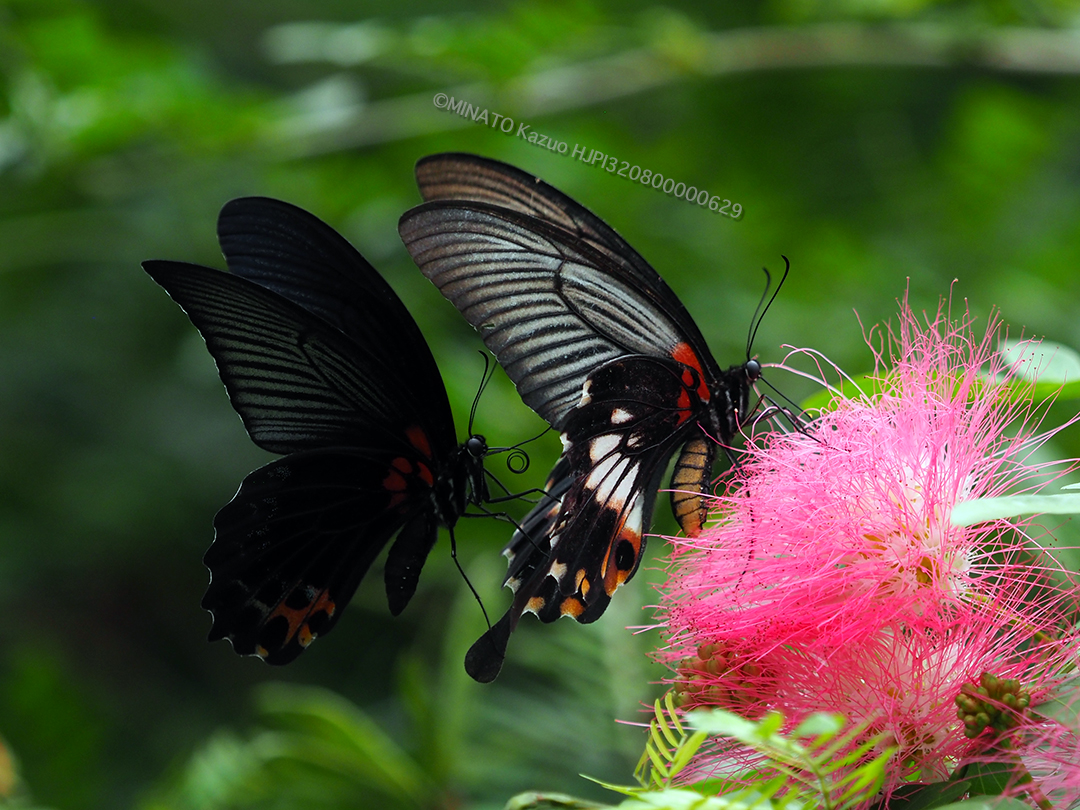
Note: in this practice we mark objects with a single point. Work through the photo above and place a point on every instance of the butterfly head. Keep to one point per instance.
(476, 446)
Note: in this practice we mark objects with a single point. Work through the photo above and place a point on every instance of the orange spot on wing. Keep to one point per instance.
(614, 576)
(298, 619)
(572, 606)
(581, 583)
(536, 604)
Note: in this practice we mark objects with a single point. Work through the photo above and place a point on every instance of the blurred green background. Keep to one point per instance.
(879, 144)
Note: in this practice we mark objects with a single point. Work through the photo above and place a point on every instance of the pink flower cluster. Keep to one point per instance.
(835, 581)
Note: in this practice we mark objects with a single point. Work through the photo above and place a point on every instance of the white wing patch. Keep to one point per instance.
(612, 481)
(635, 519)
(601, 448)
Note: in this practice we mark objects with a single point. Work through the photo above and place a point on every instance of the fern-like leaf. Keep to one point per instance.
(819, 762)
(669, 747)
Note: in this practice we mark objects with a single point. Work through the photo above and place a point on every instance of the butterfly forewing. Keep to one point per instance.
(463, 177)
(552, 309)
(296, 382)
(298, 256)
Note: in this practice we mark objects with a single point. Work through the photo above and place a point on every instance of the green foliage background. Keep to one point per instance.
(882, 145)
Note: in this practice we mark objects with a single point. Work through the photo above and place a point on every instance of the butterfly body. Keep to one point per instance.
(602, 349)
(324, 365)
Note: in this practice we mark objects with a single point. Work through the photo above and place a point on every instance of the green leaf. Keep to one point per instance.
(819, 724)
(1042, 362)
(551, 801)
(989, 778)
(987, 803)
(968, 513)
(925, 796)
(329, 730)
(849, 388)
(676, 799)
(722, 724)
(1063, 704)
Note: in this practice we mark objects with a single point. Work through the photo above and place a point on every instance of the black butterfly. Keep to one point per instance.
(600, 347)
(323, 362)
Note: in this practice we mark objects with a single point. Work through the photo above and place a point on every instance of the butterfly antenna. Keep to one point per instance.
(518, 461)
(759, 313)
(485, 378)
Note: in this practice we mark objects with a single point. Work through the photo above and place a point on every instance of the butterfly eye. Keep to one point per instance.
(477, 446)
(752, 369)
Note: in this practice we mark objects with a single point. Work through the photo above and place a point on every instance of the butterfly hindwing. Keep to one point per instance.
(294, 543)
(573, 553)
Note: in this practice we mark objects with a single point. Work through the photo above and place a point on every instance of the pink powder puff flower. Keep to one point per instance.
(834, 580)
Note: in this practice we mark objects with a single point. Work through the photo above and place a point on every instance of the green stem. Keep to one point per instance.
(1024, 778)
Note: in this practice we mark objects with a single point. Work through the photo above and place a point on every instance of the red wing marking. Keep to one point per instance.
(418, 439)
(685, 355)
(394, 481)
(424, 472)
(616, 575)
(684, 406)
(401, 467)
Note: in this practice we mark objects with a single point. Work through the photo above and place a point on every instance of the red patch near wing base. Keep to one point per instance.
(685, 355)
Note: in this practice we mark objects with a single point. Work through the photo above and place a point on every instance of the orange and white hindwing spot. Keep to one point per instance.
(300, 617)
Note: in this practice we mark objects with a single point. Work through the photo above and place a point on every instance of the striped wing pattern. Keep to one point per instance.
(463, 177)
(549, 309)
(297, 255)
(294, 380)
